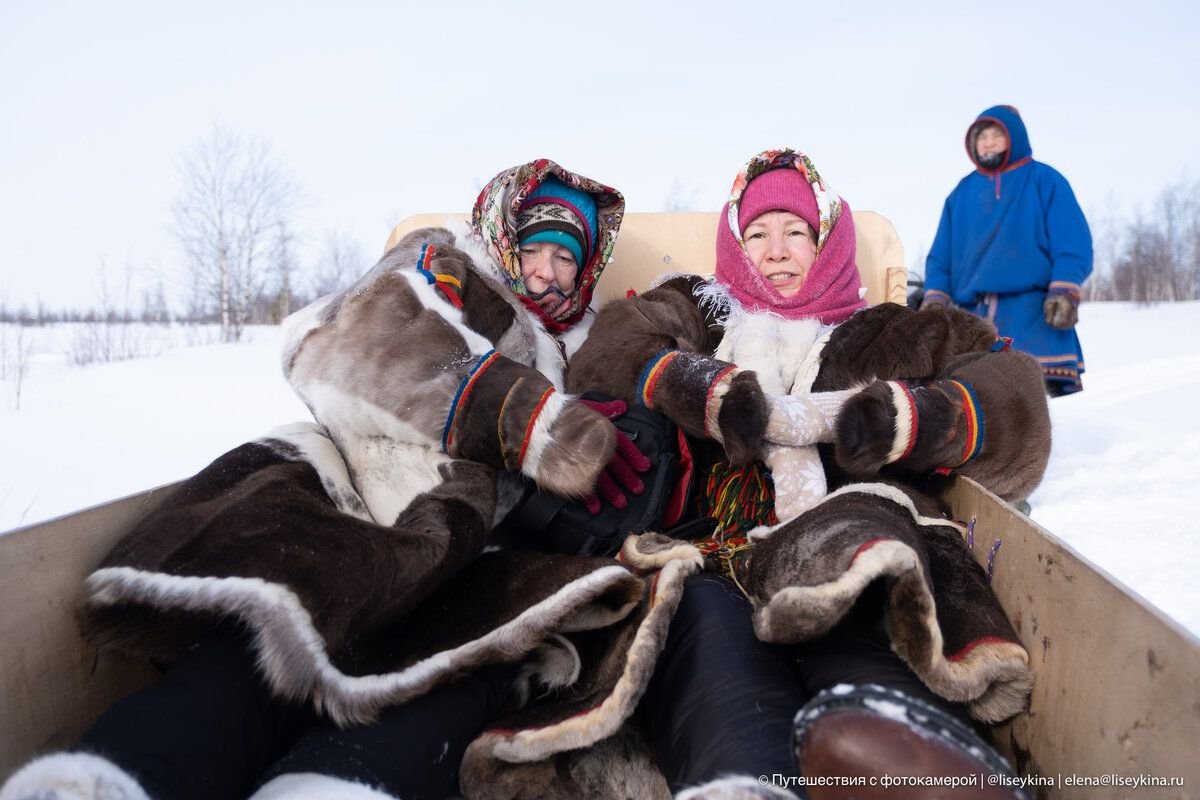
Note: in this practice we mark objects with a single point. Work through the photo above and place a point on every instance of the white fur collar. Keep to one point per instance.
(784, 353)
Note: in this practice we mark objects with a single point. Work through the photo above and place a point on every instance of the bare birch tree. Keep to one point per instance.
(341, 260)
(284, 266)
(1158, 257)
(234, 201)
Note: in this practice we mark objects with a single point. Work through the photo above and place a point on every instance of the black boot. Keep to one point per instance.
(884, 736)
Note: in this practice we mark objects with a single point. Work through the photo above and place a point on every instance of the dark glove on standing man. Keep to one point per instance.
(933, 297)
(1061, 309)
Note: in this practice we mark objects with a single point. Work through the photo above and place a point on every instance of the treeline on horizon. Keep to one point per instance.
(1152, 256)
(234, 217)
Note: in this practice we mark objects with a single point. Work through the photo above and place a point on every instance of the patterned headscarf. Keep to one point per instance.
(494, 220)
(830, 292)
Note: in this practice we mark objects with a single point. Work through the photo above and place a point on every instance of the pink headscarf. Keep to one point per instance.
(785, 180)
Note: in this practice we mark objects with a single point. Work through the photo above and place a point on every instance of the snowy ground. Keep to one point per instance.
(1123, 486)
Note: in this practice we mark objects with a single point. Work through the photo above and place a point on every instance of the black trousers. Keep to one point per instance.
(211, 729)
(722, 702)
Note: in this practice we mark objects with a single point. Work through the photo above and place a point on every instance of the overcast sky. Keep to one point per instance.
(381, 110)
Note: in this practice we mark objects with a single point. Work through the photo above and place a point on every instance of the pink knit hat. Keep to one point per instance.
(786, 180)
(779, 190)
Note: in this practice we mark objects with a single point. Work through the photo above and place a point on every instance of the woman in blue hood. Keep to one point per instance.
(1013, 246)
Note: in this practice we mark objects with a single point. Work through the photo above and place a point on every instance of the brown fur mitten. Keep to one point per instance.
(708, 398)
(508, 415)
(742, 418)
(913, 426)
(987, 420)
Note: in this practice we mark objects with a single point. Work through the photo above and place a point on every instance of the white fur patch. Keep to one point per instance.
(72, 776)
(712, 409)
(554, 665)
(548, 359)
(291, 653)
(634, 557)
(296, 326)
(576, 335)
(539, 437)
(389, 461)
(904, 430)
(391, 474)
(312, 786)
(317, 449)
(773, 347)
(433, 301)
(343, 412)
(807, 372)
(715, 298)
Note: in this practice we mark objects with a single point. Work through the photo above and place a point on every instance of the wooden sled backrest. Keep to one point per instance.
(653, 243)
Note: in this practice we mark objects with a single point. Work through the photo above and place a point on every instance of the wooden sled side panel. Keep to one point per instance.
(1117, 687)
(52, 684)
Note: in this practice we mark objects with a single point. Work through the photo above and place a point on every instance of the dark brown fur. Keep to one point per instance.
(932, 346)
(415, 589)
(1016, 446)
(891, 342)
(979, 648)
(272, 519)
(627, 334)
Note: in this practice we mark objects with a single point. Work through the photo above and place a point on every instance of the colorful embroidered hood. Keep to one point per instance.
(830, 292)
(494, 222)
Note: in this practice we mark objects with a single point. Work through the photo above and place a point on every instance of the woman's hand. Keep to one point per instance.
(621, 474)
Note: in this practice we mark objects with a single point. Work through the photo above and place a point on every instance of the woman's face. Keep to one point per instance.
(782, 247)
(548, 270)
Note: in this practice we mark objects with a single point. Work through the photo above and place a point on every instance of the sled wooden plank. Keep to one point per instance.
(52, 684)
(1117, 686)
(650, 244)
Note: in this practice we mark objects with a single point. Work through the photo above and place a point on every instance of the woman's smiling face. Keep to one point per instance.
(782, 247)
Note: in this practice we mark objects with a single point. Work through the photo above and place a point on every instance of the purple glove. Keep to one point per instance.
(623, 468)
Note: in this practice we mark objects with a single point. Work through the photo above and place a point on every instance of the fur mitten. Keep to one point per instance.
(708, 398)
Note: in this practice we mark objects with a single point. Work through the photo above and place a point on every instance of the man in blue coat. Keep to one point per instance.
(1013, 246)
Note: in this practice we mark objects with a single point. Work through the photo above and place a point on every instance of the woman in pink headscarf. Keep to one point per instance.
(819, 607)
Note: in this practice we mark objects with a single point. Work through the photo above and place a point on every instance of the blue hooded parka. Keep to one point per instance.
(1007, 237)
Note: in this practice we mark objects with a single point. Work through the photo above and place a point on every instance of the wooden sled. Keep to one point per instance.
(1118, 684)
